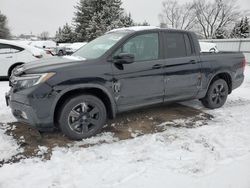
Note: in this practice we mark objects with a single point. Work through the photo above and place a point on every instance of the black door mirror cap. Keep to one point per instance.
(124, 58)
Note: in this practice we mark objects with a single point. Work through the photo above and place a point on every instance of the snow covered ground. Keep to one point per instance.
(213, 155)
(5, 113)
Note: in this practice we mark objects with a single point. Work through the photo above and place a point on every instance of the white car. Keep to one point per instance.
(74, 47)
(13, 54)
(47, 45)
(208, 47)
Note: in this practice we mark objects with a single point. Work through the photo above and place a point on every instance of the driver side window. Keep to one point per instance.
(143, 47)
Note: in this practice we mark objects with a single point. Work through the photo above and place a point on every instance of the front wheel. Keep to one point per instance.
(216, 95)
(82, 117)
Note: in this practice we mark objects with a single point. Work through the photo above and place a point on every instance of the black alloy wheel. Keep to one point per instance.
(216, 95)
(82, 117)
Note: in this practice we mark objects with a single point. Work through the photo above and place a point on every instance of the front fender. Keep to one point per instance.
(62, 90)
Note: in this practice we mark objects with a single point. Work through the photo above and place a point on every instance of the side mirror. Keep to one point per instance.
(124, 58)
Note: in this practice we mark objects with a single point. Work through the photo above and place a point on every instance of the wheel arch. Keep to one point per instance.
(99, 91)
(225, 76)
(13, 66)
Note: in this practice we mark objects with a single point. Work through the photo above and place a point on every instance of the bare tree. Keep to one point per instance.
(177, 16)
(206, 18)
(215, 15)
(44, 35)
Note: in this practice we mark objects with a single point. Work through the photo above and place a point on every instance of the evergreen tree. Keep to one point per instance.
(58, 35)
(241, 29)
(220, 34)
(65, 34)
(245, 28)
(127, 20)
(4, 31)
(145, 23)
(95, 17)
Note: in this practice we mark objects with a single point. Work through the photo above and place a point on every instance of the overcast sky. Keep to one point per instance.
(36, 16)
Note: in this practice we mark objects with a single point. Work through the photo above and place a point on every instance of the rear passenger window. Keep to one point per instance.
(16, 49)
(177, 45)
(9, 49)
(5, 49)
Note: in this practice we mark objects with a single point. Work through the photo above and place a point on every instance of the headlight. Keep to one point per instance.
(29, 80)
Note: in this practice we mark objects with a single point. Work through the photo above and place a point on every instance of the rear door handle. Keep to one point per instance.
(157, 66)
(193, 61)
(9, 57)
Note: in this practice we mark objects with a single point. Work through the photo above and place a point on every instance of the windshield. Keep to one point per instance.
(99, 46)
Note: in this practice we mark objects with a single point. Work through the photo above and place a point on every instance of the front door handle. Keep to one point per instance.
(157, 66)
(9, 57)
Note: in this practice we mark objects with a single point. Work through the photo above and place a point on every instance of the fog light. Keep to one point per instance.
(24, 115)
(20, 114)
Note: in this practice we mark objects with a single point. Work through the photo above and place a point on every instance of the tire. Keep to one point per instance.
(60, 53)
(216, 95)
(82, 117)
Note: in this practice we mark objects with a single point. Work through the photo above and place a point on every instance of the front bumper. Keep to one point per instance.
(30, 109)
(22, 112)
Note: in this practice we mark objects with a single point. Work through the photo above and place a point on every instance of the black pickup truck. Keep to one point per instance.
(120, 71)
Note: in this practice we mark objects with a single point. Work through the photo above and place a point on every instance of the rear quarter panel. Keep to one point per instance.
(24, 57)
(216, 63)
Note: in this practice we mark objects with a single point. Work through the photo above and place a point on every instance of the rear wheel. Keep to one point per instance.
(216, 95)
(82, 117)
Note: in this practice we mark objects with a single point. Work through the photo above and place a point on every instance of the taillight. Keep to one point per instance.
(244, 63)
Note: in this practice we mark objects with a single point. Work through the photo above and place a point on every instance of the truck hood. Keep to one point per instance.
(50, 64)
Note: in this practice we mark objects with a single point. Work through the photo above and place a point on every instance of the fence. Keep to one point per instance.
(236, 45)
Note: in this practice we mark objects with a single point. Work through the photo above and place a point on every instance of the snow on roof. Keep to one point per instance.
(64, 44)
(134, 28)
(42, 44)
(13, 42)
(77, 45)
(10, 42)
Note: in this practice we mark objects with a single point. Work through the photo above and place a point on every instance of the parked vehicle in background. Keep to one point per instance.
(60, 51)
(43, 44)
(13, 54)
(74, 47)
(120, 71)
(64, 45)
(61, 48)
(208, 47)
(48, 45)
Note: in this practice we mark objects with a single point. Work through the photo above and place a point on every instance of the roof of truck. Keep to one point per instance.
(135, 28)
